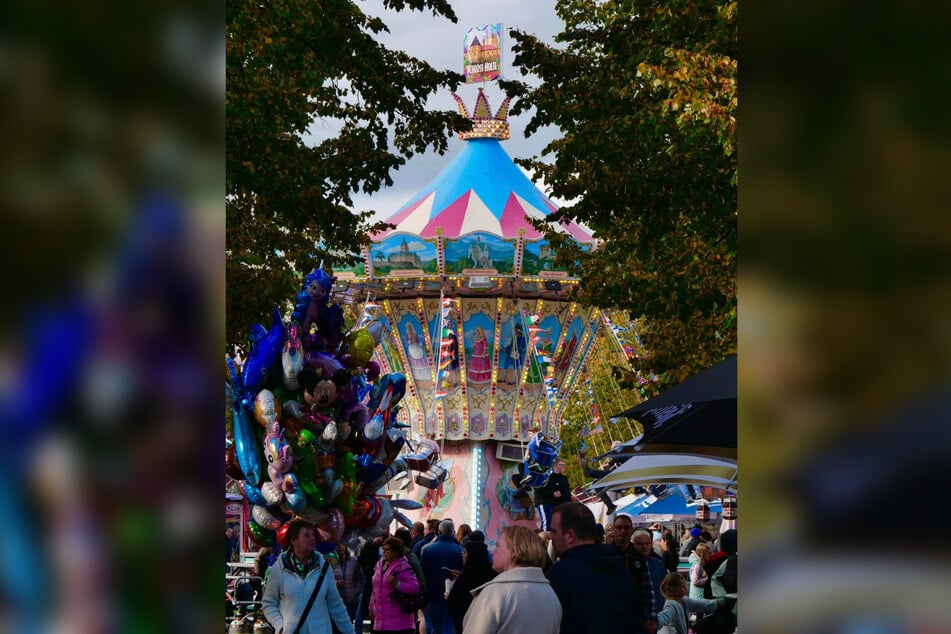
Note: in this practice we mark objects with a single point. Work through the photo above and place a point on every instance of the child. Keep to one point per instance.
(531, 455)
(698, 578)
(678, 605)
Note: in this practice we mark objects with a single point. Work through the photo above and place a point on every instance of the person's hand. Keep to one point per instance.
(650, 627)
(393, 581)
(455, 573)
(557, 494)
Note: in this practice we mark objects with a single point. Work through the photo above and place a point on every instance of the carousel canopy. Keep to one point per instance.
(474, 218)
(481, 190)
(476, 314)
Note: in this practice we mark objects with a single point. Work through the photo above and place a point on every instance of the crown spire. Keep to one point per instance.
(484, 125)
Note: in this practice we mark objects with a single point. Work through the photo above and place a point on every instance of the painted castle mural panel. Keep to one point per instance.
(403, 252)
(480, 251)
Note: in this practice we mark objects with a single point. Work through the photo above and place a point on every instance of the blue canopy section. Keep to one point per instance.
(675, 503)
(636, 507)
(486, 168)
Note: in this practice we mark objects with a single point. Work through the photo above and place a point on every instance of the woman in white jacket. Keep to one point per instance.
(519, 599)
(292, 580)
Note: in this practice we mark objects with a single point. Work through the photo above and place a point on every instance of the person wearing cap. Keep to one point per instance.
(439, 558)
(691, 544)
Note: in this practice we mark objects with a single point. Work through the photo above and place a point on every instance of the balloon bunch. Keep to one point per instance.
(311, 402)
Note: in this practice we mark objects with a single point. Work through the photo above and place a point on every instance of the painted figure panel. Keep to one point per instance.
(569, 346)
(479, 347)
(513, 351)
(415, 346)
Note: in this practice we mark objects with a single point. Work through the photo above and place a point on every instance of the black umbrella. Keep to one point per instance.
(695, 416)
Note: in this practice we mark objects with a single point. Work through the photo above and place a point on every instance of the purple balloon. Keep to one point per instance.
(372, 370)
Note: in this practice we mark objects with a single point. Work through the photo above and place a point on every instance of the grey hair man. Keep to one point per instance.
(439, 558)
(643, 541)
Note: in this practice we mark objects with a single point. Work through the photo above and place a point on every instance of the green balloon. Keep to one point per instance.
(347, 497)
(283, 394)
(306, 472)
(315, 494)
(261, 536)
(346, 466)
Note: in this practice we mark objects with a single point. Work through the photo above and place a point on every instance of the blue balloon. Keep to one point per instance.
(264, 354)
(246, 446)
(253, 493)
(364, 387)
(363, 461)
(373, 471)
(275, 553)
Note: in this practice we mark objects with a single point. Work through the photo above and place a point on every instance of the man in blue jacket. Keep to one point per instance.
(438, 558)
(589, 579)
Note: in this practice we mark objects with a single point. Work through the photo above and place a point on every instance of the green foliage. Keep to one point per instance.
(599, 384)
(645, 96)
(293, 65)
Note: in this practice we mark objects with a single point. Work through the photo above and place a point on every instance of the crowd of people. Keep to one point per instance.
(576, 577)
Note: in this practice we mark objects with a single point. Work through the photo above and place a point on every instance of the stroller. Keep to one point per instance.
(243, 592)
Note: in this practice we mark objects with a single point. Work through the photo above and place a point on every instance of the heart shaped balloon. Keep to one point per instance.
(282, 540)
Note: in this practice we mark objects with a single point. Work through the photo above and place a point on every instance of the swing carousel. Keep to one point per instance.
(477, 317)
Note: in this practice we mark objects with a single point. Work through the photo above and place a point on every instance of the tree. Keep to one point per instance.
(645, 96)
(598, 386)
(292, 64)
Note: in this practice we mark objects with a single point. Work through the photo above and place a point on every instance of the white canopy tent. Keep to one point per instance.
(646, 469)
(600, 510)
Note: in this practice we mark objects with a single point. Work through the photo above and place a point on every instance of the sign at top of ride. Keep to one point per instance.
(482, 53)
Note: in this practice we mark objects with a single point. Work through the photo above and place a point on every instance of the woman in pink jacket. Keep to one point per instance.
(392, 572)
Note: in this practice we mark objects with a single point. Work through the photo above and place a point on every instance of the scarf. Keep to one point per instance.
(295, 565)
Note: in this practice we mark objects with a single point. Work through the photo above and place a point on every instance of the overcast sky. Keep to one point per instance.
(439, 42)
